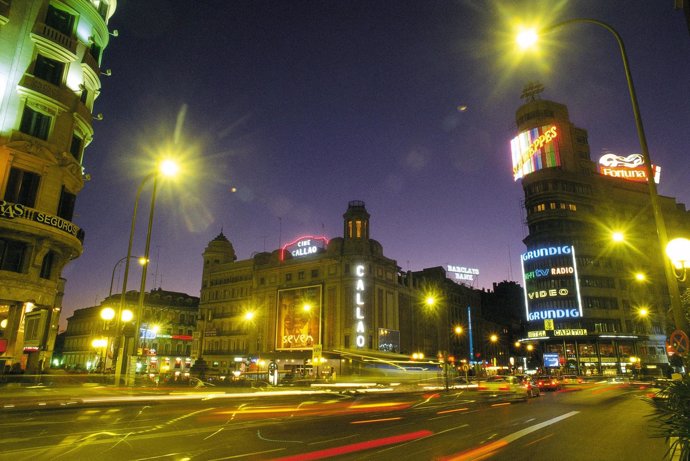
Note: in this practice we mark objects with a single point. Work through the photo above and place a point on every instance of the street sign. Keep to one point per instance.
(316, 352)
(465, 367)
(548, 324)
(678, 342)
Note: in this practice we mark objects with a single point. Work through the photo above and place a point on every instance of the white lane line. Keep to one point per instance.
(528, 430)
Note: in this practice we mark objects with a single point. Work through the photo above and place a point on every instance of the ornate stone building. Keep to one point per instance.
(50, 54)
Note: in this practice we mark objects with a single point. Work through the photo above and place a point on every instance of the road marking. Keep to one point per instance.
(484, 450)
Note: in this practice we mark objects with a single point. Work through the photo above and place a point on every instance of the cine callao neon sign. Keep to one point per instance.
(304, 246)
(359, 306)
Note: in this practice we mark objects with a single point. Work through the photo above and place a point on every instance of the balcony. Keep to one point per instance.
(40, 89)
(54, 43)
(4, 12)
(91, 70)
(24, 214)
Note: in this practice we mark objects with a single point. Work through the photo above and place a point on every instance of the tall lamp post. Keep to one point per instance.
(527, 38)
(165, 168)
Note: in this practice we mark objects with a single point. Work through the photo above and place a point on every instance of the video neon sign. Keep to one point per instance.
(552, 288)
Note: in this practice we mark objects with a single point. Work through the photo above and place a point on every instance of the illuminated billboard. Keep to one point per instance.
(462, 273)
(552, 290)
(630, 168)
(304, 246)
(535, 149)
(299, 318)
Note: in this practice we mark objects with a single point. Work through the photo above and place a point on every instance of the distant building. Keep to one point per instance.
(320, 305)
(167, 326)
(50, 76)
(593, 304)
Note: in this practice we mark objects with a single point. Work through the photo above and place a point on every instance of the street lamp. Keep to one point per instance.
(141, 260)
(527, 38)
(165, 168)
(678, 251)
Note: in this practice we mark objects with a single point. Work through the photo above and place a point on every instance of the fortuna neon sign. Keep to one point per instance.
(359, 306)
(630, 168)
(304, 246)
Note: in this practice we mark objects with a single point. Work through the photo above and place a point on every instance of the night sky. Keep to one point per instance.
(284, 111)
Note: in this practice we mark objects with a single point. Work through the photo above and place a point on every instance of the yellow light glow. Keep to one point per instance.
(155, 329)
(643, 312)
(127, 315)
(108, 313)
(617, 236)
(526, 38)
(169, 168)
(458, 330)
(530, 347)
(99, 343)
(430, 301)
(640, 277)
(249, 315)
(306, 307)
(517, 343)
(678, 250)
(142, 261)
(493, 338)
(3, 323)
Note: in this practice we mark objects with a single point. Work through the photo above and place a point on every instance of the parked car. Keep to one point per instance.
(548, 383)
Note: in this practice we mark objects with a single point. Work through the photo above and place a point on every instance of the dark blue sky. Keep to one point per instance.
(303, 106)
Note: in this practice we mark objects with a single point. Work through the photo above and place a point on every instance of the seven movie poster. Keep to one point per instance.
(299, 318)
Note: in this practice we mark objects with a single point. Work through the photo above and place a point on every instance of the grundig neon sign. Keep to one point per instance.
(359, 306)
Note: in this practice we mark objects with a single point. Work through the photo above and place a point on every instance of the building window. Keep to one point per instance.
(84, 96)
(49, 70)
(22, 187)
(75, 147)
(59, 20)
(12, 255)
(314, 273)
(288, 277)
(300, 275)
(35, 123)
(95, 51)
(66, 206)
(47, 265)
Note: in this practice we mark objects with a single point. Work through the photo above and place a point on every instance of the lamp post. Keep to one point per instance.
(142, 261)
(165, 168)
(678, 251)
(526, 39)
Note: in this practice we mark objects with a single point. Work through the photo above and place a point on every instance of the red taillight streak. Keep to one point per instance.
(336, 451)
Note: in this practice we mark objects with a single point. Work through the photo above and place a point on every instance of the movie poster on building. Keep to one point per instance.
(299, 318)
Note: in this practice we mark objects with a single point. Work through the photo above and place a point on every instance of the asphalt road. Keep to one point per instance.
(600, 422)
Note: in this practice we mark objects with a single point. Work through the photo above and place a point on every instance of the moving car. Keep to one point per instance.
(548, 383)
(531, 386)
(508, 384)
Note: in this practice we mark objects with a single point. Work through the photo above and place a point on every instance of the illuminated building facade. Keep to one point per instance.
(584, 297)
(314, 301)
(50, 53)
(166, 331)
(319, 305)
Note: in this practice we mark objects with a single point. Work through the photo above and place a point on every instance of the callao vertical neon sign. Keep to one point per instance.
(359, 306)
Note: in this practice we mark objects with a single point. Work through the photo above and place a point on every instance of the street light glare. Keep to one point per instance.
(678, 250)
(169, 167)
(526, 38)
(640, 277)
(127, 315)
(618, 236)
(643, 312)
(108, 313)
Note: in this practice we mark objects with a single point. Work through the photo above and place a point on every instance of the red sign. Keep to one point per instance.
(3, 345)
(630, 168)
(678, 343)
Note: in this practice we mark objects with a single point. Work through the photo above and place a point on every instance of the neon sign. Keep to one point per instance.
(552, 289)
(304, 246)
(630, 168)
(535, 149)
(359, 306)
(463, 273)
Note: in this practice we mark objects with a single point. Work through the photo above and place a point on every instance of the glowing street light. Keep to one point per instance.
(674, 292)
(678, 251)
(618, 236)
(166, 168)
